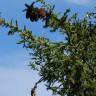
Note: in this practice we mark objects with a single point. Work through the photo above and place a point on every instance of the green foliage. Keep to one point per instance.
(68, 68)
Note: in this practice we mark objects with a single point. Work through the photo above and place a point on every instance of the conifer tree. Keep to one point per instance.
(68, 68)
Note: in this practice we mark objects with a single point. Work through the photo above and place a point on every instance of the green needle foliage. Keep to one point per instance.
(68, 68)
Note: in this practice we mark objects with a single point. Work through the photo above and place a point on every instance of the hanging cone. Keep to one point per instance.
(33, 91)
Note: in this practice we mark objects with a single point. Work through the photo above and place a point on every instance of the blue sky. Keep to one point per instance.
(16, 78)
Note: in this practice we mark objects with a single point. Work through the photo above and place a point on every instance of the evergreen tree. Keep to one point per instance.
(68, 68)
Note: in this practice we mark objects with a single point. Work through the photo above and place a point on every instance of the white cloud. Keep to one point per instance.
(80, 2)
(19, 82)
(16, 78)
(15, 82)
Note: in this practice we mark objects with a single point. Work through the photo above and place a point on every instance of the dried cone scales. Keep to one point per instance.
(33, 91)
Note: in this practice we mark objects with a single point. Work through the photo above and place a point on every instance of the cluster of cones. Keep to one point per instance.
(34, 13)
